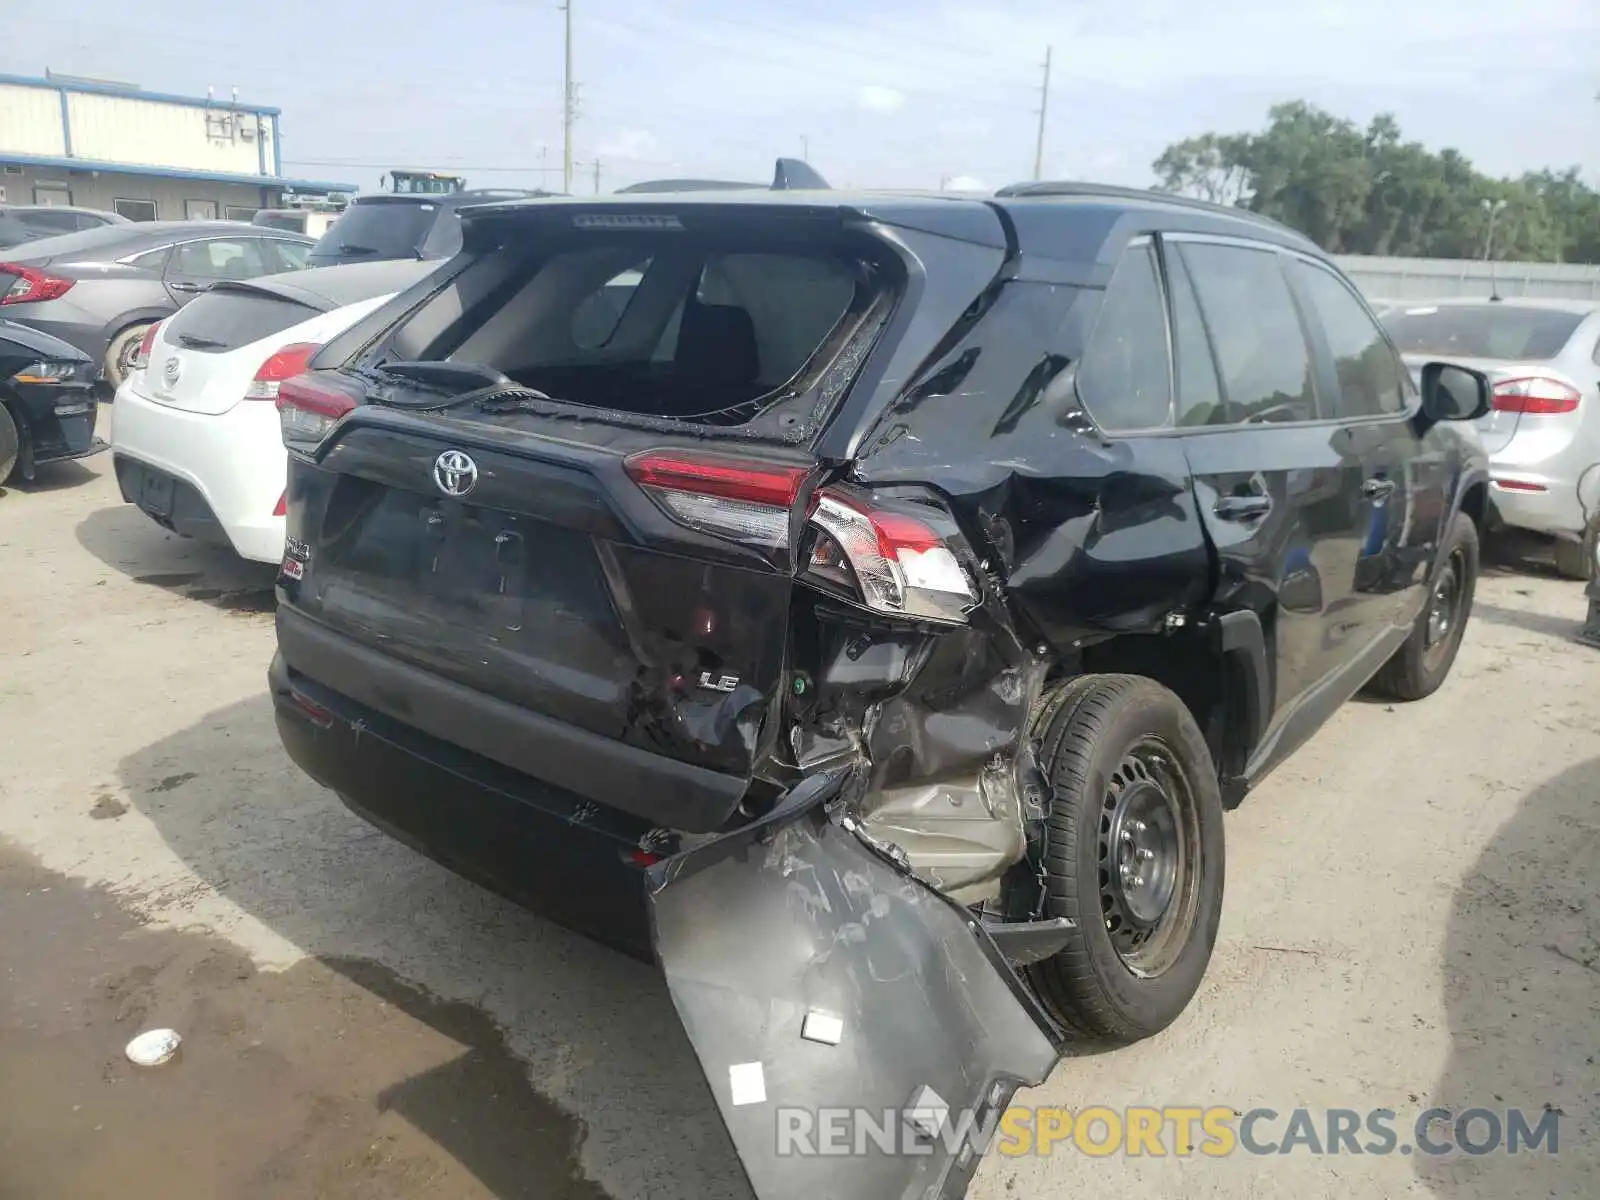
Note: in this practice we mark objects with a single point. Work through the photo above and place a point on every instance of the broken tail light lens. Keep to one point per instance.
(309, 406)
(1538, 394)
(892, 561)
(738, 499)
(288, 362)
(27, 285)
(141, 356)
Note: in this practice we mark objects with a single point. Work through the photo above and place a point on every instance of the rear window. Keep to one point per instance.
(115, 238)
(216, 322)
(686, 331)
(382, 230)
(1482, 330)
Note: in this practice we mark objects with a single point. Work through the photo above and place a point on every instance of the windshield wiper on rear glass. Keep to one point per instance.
(352, 248)
(194, 342)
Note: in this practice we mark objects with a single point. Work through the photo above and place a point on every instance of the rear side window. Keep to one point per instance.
(1369, 373)
(1199, 393)
(1125, 379)
(216, 322)
(1485, 330)
(382, 230)
(1260, 348)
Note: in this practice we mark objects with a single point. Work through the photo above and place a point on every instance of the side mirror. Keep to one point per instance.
(1454, 393)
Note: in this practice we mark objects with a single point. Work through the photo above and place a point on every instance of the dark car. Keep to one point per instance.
(403, 226)
(101, 289)
(873, 620)
(21, 223)
(47, 405)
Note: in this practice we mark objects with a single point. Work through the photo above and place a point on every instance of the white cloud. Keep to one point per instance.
(879, 99)
(628, 144)
(966, 183)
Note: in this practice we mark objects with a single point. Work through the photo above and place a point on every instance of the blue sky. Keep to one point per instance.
(890, 93)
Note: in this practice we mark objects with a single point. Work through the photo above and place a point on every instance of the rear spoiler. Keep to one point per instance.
(790, 174)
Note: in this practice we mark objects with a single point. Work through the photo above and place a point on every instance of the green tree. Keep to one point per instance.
(1369, 191)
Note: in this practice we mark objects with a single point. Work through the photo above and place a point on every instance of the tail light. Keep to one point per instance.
(1539, 394)
(285, 364)
(309, 406)
(29, 285)
(737, 499)
(141, 356)
(281, 508)
(892, 558)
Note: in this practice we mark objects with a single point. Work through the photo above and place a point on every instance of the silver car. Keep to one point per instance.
(1543, 435)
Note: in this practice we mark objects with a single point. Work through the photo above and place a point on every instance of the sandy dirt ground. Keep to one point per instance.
(1411, 921)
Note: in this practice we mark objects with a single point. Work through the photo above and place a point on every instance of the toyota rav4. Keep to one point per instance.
(865, 606)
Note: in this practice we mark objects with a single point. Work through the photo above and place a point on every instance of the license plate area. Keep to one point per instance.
(155, 493)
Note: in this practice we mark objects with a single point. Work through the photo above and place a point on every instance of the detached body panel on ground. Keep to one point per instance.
(860, 585)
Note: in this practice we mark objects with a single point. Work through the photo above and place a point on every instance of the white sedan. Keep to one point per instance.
(194, 428)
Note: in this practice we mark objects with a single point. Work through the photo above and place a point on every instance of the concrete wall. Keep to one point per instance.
(99, 189)
(1435, 278)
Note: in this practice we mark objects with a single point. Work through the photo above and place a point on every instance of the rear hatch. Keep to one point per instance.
(602, 533)
(376, 227)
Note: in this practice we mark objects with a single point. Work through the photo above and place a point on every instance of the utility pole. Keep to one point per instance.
(1044, 108)
(596, 176)
(805, 148)
(568, 106)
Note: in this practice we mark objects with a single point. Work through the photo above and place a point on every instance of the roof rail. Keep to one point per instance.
(788, 175)
(1046, 188)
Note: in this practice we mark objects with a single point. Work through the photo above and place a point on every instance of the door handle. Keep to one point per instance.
(1242, 508)
(183, 285)
(1378, 488)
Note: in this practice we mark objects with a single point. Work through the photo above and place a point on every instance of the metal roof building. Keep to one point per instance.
(147, 155)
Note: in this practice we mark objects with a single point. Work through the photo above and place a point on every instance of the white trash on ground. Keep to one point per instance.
(153, 1047)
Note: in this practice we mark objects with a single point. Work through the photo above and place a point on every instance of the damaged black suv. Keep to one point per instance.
(866, 605)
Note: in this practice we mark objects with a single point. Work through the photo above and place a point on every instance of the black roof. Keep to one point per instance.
(1065, 189)
(455, 199)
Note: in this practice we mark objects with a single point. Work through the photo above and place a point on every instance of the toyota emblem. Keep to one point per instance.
(170, 370)
(455, 473)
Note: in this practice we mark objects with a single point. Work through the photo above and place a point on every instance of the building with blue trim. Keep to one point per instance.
(147, 155)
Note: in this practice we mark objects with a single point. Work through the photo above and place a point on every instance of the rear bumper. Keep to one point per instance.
(652, 787)
(543, 848)
(233, 463)
(1554, 511)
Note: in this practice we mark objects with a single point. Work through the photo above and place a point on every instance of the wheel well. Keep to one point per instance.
(1475, 503)
(1210, 685)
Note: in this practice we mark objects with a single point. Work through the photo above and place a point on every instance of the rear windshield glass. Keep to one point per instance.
(281, 220)
(1482, 330)
(662, 327)
(385, 230)
(215, 323)
(101, 238)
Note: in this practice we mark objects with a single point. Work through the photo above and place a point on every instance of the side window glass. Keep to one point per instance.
(284, 255)
(1370, 377)
(599, 313)
(1199, 394)
(1255, 330)
(222, 258)
(1125, 379)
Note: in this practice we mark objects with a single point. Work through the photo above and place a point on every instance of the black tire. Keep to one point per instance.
(1575, 560)
(1107, 741)
(10, 445)
(1423, 663)
(119, 353)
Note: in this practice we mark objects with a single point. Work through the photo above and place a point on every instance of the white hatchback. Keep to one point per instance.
(194, 427)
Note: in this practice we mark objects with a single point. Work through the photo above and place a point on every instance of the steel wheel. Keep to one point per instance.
(1149, 839)
(1444, 607)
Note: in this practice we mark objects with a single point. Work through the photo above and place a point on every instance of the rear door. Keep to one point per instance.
(1278, 485)
(195, 265)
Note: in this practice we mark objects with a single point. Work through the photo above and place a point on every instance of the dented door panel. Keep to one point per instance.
(1087, 535)
(873, 995)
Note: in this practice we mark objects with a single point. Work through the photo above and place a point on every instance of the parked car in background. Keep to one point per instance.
(1543, 435)
(28, 223)
(47, 406)
(102, 289)
(871, 618)
(403, 226)
(313, 222)
(194, 430)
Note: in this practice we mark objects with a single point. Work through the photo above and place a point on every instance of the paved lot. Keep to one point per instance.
(1411, 920)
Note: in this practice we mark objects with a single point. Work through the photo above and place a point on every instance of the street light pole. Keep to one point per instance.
(1494, 209)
